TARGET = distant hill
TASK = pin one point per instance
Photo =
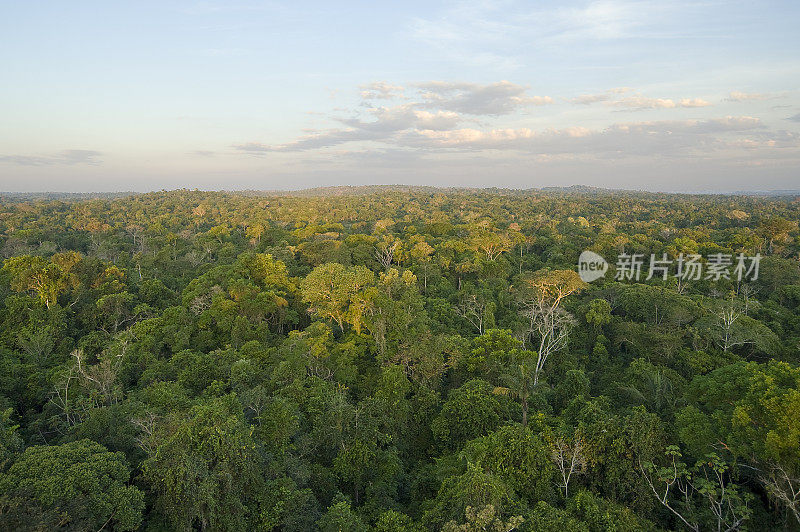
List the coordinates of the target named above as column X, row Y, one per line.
column 766, row 193
column 63, row 196
column 366, row 190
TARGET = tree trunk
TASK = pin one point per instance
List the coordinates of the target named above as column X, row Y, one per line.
column 524, row 411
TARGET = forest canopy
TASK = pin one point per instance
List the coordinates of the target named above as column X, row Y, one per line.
column 395, row 359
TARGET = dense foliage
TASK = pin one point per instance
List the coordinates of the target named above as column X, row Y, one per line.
column 395, row 359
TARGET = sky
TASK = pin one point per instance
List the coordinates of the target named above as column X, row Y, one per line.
column 688, row 96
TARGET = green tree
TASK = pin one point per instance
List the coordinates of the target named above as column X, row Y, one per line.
column 518, row 457
column 484, row 520
column 48, row 279
column 74, row 486
column 205, row 470
column 336, row 292
column 470, row 411
column 341, row 518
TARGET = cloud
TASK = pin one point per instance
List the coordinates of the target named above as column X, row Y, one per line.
column 795, row 118
column 728, row 123
column 313, row 141
column 433, row 106
column 386, row 122
column 642, row 102
column 66, row 157
column 252, row 147
column 737, row 96
column 494, row 99
column 658, row 138
column 492, row 139
column 381, row 90
column 588, row 99
column 638, row 102
column 635, row 101
column 399, row 128
column 458, row 121
column 776, row 139
column 693, row 102
column 388, row 119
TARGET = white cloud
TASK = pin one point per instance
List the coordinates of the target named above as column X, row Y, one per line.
column 381, row 90
column 387, row 121
column 455, row 119
column 737, row 96
column 400, row 117
column 659, row 138
column 693, row 102
column 588, row 99
column 434, row 106
column 636, row 101
column 66, row 157
column 642, row 102
column 313, row 141
column 493, row 99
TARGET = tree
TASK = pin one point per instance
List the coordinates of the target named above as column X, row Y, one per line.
column 205, row 470
column 470, row 411
column 385, row 252
column 489, row 243
column 491, row 353
column 701, row 497
column 473, row 309
column 47, row 279
column 776, row 229
column 484, row 519
column 729, row 329
column 395, row 307
column 99, row 380
column 598, row 313
column 394, row 521
column 421, row 252
column 74, row 486
column 115, row 310
column 751, row 411
column 336, row 292
column 569, row 458
column 727, row 318
column 549, row 324
column 254, row 232
column 341, row 518
column 474, row 488
column 518, row 373
column 518, row 457
column 10, row 442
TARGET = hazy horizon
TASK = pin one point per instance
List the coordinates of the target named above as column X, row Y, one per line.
column 694, row 97
column 578, row 187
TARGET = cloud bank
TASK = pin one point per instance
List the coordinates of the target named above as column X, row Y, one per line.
column 66, row 157
column 445, row 118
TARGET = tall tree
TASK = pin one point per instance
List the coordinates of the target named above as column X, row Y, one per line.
column 542, row 295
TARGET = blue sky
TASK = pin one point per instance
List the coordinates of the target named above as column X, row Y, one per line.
column 673, row 96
